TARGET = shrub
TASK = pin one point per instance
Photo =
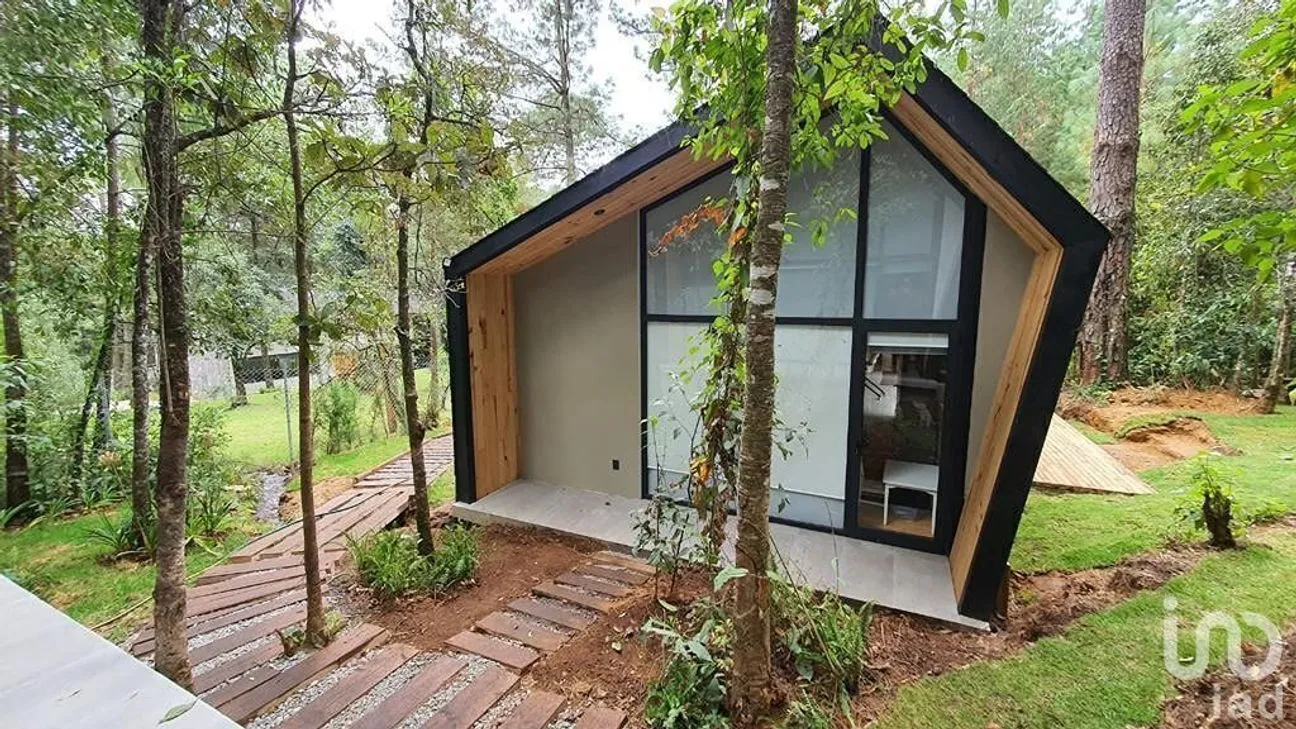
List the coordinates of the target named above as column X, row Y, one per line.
column 1210, row 503
column 690, row 692
column 121, row 538
column 211, row 506
column 389, row 562
column 805, row 712
column 336, row 416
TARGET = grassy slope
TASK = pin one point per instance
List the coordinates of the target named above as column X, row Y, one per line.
column 56, row 561
column 1107, row 671
column 1075, row 531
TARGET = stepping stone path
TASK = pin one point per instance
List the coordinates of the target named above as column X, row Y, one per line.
column 237, row 611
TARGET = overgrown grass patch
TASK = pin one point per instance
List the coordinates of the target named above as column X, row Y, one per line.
column 55, row 560
column 1092, row 433
column 1108, row 670
column 1078, row 531
column 389, row 562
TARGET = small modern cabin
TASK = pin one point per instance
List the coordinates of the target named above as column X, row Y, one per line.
column 920, row 349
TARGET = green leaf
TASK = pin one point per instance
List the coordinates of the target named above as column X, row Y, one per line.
column 962, row 59
column 1002, row 7
column 727, row 574
column 175, row 712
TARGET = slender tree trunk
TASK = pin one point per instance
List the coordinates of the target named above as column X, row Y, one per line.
column 17, row 487
column 752, row 691
column 159, row 31
column 316, row 633
column 413, row 427
column 1275, row 386
column 141, row 500
column 93, row 394
column 433, row 414
column 1111, row 194
column 240, row 390
column 562, row 33
column 112, row 230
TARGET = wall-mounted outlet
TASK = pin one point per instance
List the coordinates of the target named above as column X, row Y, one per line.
column 616, row 464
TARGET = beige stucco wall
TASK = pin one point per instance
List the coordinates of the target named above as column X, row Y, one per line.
column 577, row 324
column 1004, row 276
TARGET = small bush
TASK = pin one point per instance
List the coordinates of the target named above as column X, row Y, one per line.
column 336, row 416
column 1210, row 504
column 807, row 713
column 389, row 562
column 121, row 539
column 826, row 639
column 690, row 692
column 211, row 507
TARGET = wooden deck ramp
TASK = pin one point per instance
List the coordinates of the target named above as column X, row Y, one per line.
column 1072, row 462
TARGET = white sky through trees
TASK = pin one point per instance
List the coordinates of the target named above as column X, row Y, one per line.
column 642, row 104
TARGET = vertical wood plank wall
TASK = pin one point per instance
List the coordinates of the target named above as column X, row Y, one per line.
column 493, row 373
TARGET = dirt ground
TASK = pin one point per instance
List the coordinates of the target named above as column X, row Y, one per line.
column 513, row 560
column 1221, row 700
column 1161, row 442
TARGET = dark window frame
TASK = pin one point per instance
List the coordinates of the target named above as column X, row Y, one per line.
column 961, row 331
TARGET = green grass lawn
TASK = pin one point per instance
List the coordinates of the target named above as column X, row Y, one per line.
column 1076, row 531
column 258, row 431
column 56, row 560
column 1107, row 671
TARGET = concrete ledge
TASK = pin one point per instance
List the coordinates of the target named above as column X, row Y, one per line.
column 891, row 577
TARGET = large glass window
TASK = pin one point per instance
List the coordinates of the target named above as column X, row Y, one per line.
column 814, row 280
column 682, row 239
column 915, row 236
column 808, row 475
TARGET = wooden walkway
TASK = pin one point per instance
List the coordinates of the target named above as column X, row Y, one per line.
column 1072, row 462
column 237, row 611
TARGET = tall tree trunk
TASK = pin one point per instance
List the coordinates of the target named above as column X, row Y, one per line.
column 562, row 33
column 94, row 390
column 752, row 688
column 1103, row 343
column 112, row 231
column 433, row 413
column 1275, row 386
column 316, row 633
column 141, row 501
column 413, row 427
column 160, row 27
column 17, row 487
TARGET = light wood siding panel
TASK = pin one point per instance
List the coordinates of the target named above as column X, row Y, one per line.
column 1021, row 354
column 493, row 371
column 646, row 187
column 1025, row 337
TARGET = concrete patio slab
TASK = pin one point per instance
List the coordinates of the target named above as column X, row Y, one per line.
column 892, row 577
column 56, row 673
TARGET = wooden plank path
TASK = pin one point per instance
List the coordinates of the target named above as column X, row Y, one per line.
column 1072, row 462
column 237, row 612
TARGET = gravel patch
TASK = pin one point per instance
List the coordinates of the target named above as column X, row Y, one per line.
column 537, row 624
column 501, row 709
column 231, row 655
column 232, row 628
column 301, row 698
column 379, row 693
column 476, row 667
